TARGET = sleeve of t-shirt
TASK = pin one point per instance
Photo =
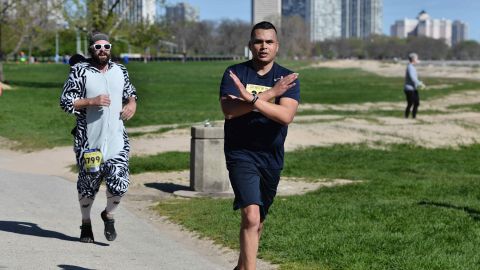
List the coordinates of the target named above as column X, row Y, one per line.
column 227, row 87
column 293, row 92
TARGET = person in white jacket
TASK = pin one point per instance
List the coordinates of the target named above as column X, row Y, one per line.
column 412, row 85
column 99, row 93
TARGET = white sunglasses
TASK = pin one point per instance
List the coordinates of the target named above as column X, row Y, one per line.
column 104, row 46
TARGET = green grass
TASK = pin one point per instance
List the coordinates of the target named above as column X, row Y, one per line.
column 164, row 162
column 340, row 86
column 175, row 93
column 415, row 208
column 469, row 107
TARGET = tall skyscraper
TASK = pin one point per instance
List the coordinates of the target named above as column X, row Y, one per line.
column 294, row 8
column 181, row 12
column 324, row 19
column 331, row 19
column 361, row 18
column 267, row 10
column 135, row 11
column 459, row 32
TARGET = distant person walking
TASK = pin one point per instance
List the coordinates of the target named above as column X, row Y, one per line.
column 99, row 93
column 412, row 85
column 259, row 98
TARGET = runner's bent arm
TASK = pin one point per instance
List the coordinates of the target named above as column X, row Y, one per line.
column 73, row 90
column 282, row 113
column 233, row 106
column 129, row 97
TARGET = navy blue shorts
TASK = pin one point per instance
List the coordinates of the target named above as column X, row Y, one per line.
column 253, row 185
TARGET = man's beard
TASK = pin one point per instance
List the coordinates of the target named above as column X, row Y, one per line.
column 101, row 61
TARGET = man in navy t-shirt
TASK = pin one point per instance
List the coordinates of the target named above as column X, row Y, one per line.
column 259, row 98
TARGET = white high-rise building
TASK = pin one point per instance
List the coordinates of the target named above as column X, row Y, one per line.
column 403, row 28
column 434, row 28
column 423, row 26
column 324, row 19
column 267, row 10
column 459, row 32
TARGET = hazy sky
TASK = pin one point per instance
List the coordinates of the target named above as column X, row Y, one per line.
column 464, row 10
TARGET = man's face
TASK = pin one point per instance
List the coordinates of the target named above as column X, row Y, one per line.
column 99, row 53
column 264, row 45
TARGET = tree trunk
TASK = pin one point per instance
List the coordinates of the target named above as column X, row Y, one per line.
column 145, row 55
column 1, row 72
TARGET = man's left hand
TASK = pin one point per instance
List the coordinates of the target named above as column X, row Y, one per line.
column 129, row 110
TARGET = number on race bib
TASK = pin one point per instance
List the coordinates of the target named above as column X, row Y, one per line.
column 93, row 160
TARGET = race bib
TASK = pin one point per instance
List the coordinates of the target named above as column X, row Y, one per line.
column 257, row 89
column 93, row 159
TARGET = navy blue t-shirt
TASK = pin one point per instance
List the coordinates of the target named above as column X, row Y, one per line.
column 253, row 137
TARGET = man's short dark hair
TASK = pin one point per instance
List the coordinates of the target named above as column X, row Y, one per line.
column 262, row 25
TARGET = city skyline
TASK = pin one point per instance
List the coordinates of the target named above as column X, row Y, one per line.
column 394, row 10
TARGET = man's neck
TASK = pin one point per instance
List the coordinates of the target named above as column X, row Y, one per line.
column 102, row 68
column 261, row 67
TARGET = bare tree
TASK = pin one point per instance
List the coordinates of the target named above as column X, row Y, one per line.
column 199, row 37
column 231, row 37
column 294, row 39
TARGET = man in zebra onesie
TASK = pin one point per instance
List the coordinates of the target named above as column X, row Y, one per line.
column 99, row 93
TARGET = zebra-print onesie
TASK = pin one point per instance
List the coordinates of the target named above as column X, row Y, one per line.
column 100, row 127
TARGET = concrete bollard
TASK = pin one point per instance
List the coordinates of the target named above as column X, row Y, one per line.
column 208, row 171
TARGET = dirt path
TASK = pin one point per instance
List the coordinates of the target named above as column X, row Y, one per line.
column 391, row 69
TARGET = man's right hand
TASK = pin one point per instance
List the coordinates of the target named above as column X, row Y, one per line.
column 284, row 84
column 101, row 100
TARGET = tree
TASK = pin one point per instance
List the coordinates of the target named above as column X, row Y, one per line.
column 25, row 22
column 5, row 6
column 232, row 37
column 428, row 48
column 466, row 50
column 145, row 35
column 199, row 37
column 293, row 37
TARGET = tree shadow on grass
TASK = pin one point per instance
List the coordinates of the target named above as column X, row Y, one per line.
column 167, row 187
column 473, row 213
column 28, row 228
